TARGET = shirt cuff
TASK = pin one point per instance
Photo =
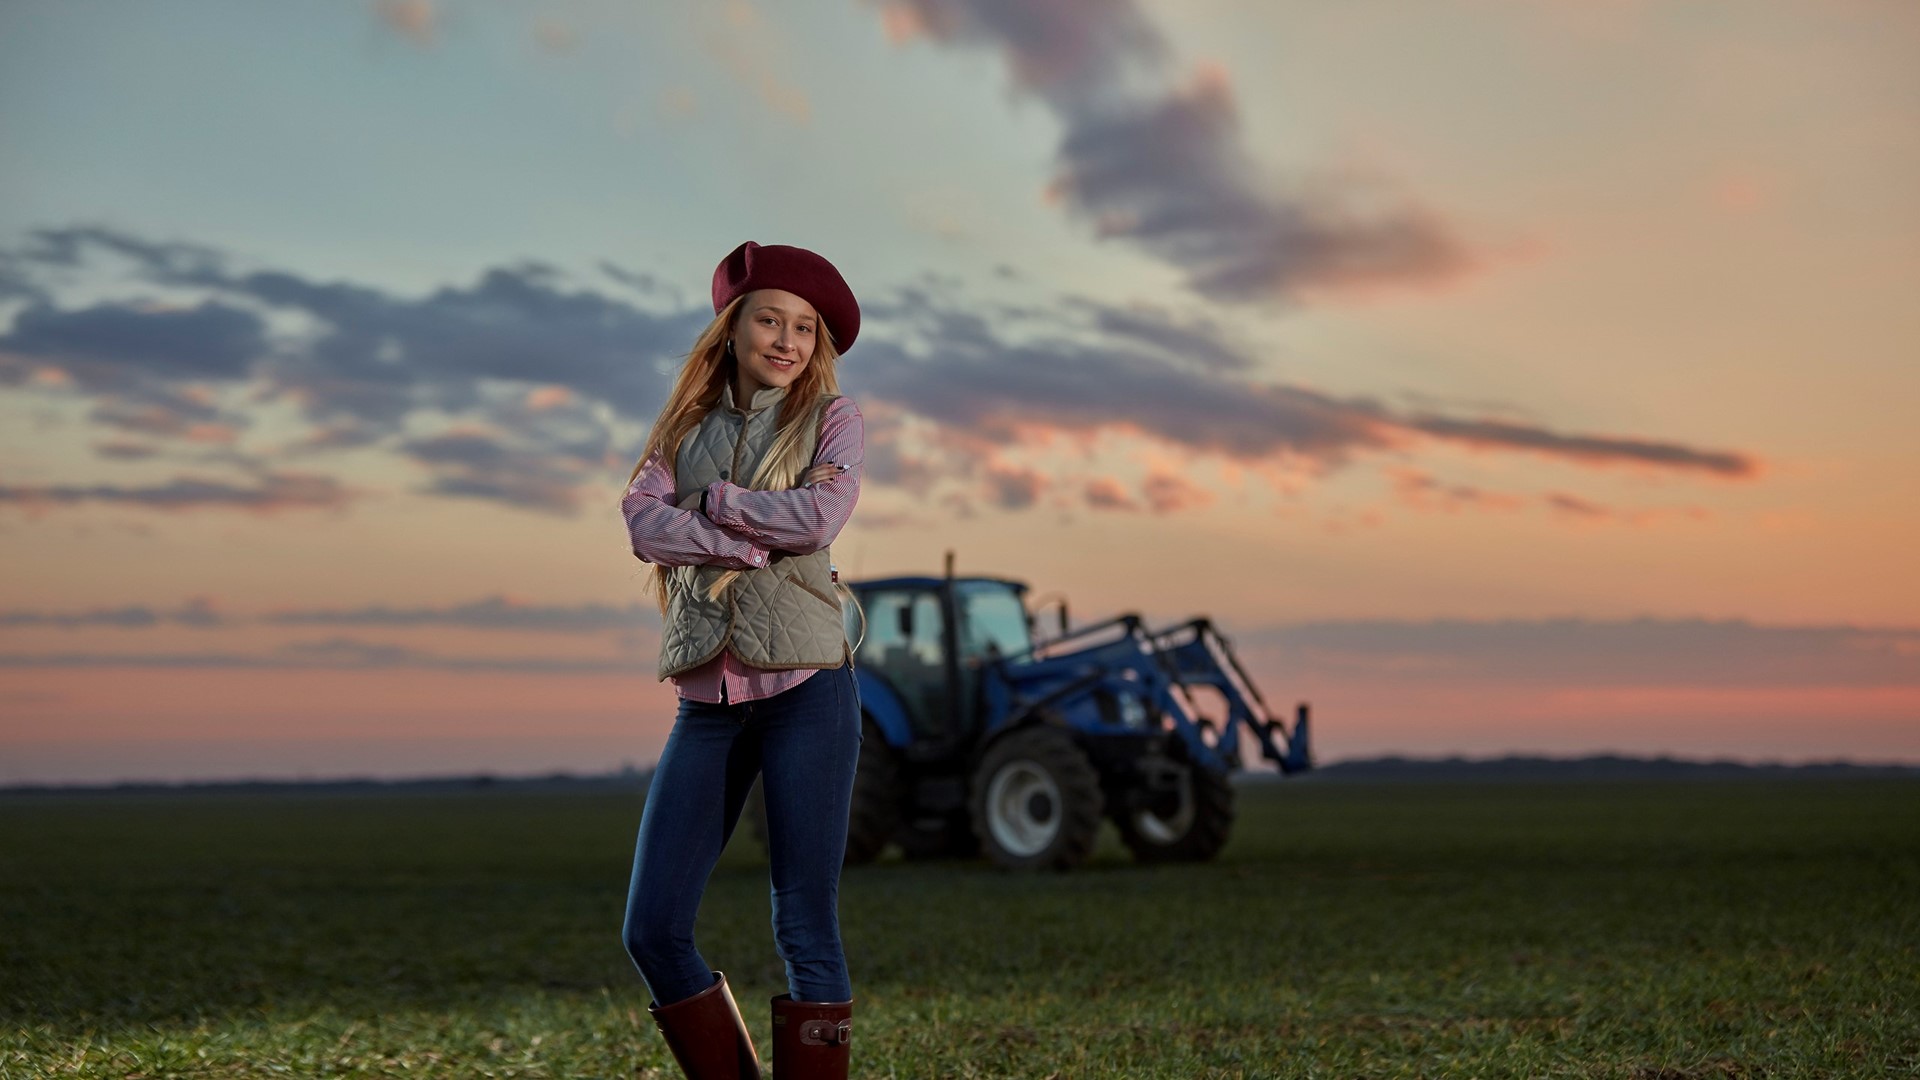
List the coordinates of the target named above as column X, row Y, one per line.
column 725, row 514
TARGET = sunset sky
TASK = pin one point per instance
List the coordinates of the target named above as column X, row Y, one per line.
column 1503, row 376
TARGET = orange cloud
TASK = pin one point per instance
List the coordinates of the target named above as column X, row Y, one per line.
column 414, row 20
column 1167, row 493
column 1419, row 490
column 735, row 46
column 555, row 36
column 543, row 398
column 1106, row 493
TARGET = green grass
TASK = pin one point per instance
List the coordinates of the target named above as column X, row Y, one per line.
column 1601, row 929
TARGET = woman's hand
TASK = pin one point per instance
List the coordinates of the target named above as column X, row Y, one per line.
column 825, row 471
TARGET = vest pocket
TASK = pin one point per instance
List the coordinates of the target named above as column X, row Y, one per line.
column 793, row 578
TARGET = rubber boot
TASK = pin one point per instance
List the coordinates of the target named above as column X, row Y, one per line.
column 707, row 1035
column 810, row 1039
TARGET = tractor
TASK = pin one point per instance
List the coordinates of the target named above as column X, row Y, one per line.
column 978, row 737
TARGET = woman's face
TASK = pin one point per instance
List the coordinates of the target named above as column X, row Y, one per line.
column 773, row 339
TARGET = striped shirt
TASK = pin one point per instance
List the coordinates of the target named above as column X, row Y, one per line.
column 738, row 531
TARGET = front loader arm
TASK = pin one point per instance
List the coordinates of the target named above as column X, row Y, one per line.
column 1196, row 653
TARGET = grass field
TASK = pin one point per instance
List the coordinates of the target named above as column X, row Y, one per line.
column 1651, row 930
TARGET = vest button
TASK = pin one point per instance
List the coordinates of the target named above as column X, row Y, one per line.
column 723, row 474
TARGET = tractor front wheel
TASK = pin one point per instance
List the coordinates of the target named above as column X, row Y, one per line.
column 1194, row 830
column 1036, row 801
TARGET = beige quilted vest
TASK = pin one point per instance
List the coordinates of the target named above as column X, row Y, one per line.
column 784, row 615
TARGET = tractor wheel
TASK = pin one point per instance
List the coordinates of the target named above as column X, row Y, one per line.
column 1194, row 832
column 1036, row 801
column 875, row 810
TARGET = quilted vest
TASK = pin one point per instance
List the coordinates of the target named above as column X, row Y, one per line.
column 783, row 615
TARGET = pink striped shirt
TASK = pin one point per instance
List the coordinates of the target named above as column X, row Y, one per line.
column 739, row 530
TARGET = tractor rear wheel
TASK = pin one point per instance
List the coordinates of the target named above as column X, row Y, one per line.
column 1194, row 831
column 875, row 810
column 1036, row 801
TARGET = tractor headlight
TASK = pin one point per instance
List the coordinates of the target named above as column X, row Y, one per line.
column 1133, row 713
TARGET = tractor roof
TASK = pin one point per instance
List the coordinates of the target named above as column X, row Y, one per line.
column 933, row 583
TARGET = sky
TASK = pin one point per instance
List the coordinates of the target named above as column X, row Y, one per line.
column 1503, row 377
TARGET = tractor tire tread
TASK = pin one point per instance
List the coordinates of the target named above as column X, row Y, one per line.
column 1052, row 747
column 1213, row 813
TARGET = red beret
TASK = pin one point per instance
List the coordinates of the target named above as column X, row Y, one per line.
column 799, row 271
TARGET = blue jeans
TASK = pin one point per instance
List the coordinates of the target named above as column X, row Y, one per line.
column 804, row 742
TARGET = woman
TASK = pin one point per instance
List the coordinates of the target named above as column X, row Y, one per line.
column 748, row 474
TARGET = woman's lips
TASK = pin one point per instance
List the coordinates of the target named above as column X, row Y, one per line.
column 779, row 363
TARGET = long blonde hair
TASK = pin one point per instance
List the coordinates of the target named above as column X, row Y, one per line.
column 697, row 391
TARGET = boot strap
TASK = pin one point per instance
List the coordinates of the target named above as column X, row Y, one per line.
column 826, row 1033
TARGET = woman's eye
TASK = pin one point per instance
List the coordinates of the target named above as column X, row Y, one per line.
column 806, row 329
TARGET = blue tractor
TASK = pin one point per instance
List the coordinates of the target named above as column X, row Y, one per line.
column 980, row 738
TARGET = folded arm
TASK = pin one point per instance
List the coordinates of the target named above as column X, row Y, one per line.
column 669, row 535
column 801, row 520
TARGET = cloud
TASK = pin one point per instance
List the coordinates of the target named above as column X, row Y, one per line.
column 413, row 20
column 1169, row 493
column 472, row 464
column 199, row 613
column 489, row 613
column 1598, row 449
column 1088, row 368
column 375, row 357
column 106, row 344
column 1545, row 654
column 1419, row 490
column 1160, row 163
column 1585, row 652
column 1199, row 342
column 123, row 450
column 337, row 654
column 513, row 388
column 1578, row 509
column 520, row 352
column 555, row 36
column 272, row 493
column 1107, row 493
column 151, row 368
column 740, row 47
column 499, row 613
column 1014, row 487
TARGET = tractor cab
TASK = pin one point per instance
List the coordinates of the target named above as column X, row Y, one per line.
column 926, row 639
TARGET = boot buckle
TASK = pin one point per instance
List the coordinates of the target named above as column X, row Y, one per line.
column 826, row 1033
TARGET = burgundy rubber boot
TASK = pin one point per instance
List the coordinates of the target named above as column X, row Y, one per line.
column 810, row 1039
column 707, row 1035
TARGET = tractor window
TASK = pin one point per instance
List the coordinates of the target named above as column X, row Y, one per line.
column 992, row 620
column 912, row 658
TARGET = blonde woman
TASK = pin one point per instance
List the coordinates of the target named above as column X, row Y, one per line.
column 748, row 475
